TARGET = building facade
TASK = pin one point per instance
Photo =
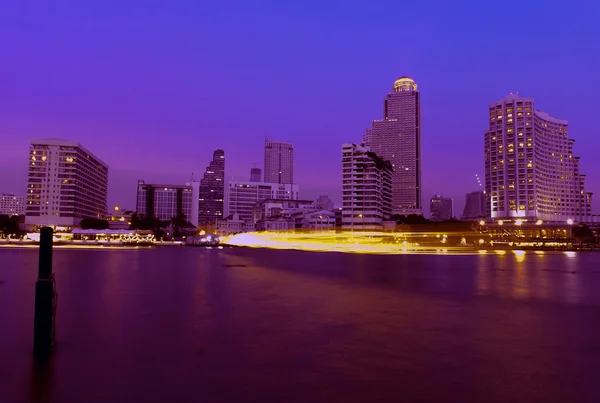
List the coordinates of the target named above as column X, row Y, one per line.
column 242, row 196
column 164, row 202
column 323, row 202
column 441, row 208
column 474, row 206
column 279, row 162
column 255, row 175
column 66, row 184
column 366, row 188
column 530, row 170
column 397, row 138
column 212, row 189
column 11, row 205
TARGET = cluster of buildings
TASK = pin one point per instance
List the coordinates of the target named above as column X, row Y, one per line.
column 531, row 176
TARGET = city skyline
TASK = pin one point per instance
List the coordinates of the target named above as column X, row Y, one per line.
column 156, row 112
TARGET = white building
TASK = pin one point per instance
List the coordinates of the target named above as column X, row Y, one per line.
column 279, row 162
column 230, row 225
column 397, row 138
column 66, row 184
column 280, row 207
column 277, row 223
column 366, row 188
column 12, row 205
column 164, row 202
column 319, row 220
column 530, row 170
column 242, row 196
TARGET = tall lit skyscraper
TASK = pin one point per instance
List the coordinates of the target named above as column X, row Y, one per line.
column 441, row 208
column 279, row 162
column 212, row 188
column 66, row 184
column 397, row 138
column 530, row 169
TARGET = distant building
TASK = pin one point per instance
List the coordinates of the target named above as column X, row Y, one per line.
column 66, row 184
column 440, row 208
column 366, row 188
column 474, row 206
column 255, row 175
column 230, row 225
column 12, row 205
column 276, row 223
column 279, row 162
column 319, row 220
column 280, row 207
column 324, row 202
column 397, row 138
column 530, row 170
column 242, row 196
column 119, row 219
column 212, row 188
column 164, row 202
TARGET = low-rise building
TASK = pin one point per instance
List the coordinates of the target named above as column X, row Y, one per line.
column 277, row 223
column 319, row 220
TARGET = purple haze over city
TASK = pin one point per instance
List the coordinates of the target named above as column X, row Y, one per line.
column 153, row 87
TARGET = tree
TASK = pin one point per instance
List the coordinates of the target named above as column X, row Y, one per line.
column 93, row 223
column 10, row 225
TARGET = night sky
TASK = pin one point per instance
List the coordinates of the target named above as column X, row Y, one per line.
column 152, row 87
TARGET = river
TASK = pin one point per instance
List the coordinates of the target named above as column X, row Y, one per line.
column 258, row 325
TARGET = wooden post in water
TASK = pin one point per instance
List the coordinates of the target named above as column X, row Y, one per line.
column 43, row 322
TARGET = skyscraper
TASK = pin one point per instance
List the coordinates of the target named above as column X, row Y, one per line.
column 164, row 202
column 441, row 208
column 255, row 175
column 366, row 188
column 397, row 138
column 279, row 162
column 242, row 196
column 474, row 206
column 66, row 184
column 212, row 187
column 530, row 169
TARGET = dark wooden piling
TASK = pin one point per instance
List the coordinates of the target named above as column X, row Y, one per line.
column 43, row 324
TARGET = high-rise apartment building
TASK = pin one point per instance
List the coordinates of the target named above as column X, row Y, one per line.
column 441, row 208
column 242, row 196
column 366, row 188
column 212, row 187
column 66, row 184
column 164, row 202
column 11, row 205
column 397, row 138
column 530, row 170
column 474, row 206
column 255, row 175
column 279, row 162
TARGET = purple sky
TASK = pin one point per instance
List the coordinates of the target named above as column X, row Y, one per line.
column 152, row 87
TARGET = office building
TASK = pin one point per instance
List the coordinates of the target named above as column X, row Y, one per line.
column 474, row 206
column 241, row 196
column 397, row 138
column 530, row 170
column 440, row 208
column 255, row 175
column 366, row 188
column 323, row 202
column 11, row 205
column 164, row 202
column 212, row 188
column 279, row 162
column 66, row 184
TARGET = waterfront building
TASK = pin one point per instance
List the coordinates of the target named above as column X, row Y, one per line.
column 441, row 208
column 366, row 188
column 164, row 202
column 474, row 206
column 212, row 188
column 280, row 207
column 242, row 196
column 397, row 138
column 119, row 219
column 319, row 220
column 66, row 184
column 530, row 170
column 276, row 223
column 255, row 175
column 232, row 224
column 11, row 205
column 279, row 162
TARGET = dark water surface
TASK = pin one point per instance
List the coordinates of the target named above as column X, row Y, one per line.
column 244, row 325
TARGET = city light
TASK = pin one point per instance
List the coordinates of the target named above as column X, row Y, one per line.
column 481, row 222
column 519, row 222
column 570, row 221
column 539, row 222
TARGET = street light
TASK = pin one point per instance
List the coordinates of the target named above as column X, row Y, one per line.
column 481, row 222
column 570, row 221
column 539, row 222
column 519, row 222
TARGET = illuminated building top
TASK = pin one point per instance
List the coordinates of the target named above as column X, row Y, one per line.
column 404, row 83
